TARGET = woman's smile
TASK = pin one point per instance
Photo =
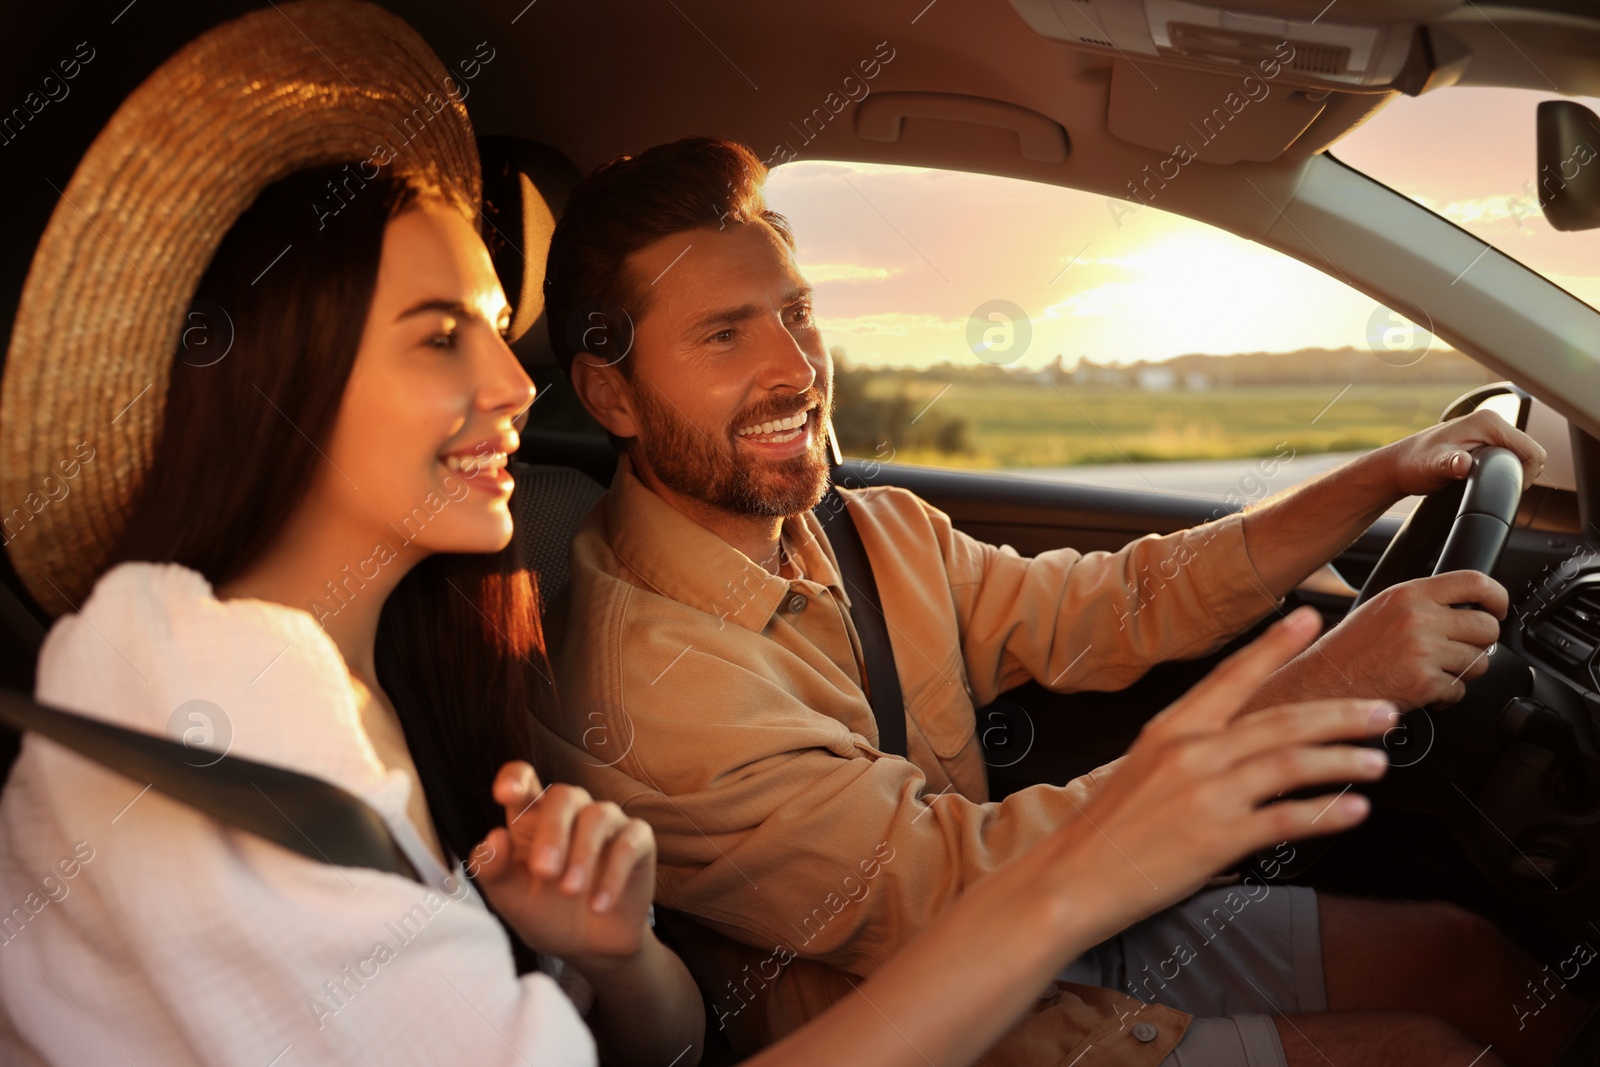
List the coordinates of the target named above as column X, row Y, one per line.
column 483, row 466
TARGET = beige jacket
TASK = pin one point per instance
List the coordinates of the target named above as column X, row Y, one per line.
column 724, row 705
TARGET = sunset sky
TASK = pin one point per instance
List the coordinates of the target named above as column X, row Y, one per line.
column 902, row 257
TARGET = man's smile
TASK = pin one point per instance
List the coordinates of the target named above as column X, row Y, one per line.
column 779, row 431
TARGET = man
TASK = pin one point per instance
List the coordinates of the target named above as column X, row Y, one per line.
column 709, row 655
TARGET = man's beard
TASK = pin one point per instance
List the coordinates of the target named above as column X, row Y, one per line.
column 709, row 467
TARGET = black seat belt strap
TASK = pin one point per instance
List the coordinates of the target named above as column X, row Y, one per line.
column 303, row 814
column 872, row 627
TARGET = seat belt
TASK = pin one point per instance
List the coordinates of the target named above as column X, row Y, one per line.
column 303, row 814
column 872, row 628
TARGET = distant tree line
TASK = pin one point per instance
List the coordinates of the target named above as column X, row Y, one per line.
column 863, row 420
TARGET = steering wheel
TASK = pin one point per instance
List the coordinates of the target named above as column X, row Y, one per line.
column 1463, row 526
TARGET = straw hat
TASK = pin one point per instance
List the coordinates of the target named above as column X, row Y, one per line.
column 250, row 102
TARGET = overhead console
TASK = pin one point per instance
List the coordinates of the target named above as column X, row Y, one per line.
column 1222, row 84
column 1349, row 44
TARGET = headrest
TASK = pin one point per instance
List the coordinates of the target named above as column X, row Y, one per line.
column 525, row 189
column 548, row 506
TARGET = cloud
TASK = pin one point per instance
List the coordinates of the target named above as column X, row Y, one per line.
column 820, row 273
column 1486, row 208
column 889, row 324
column 1112, row 298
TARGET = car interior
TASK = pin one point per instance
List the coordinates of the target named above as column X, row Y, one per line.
column 1493, row 804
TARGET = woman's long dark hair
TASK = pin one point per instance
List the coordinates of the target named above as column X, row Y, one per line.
column 253, row 395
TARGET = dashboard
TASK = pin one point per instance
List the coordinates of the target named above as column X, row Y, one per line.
column 1557, row 628
column 1519, row 775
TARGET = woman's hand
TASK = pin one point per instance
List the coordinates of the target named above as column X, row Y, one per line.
column 1191, row 796
column 574, row 877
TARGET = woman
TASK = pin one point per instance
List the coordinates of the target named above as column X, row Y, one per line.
column 298, row 540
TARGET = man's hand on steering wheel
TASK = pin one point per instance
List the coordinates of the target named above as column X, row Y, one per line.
column 1416, row 642
column 1430, row 459
column 1407, row 644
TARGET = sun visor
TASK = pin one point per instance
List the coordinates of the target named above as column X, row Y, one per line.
column 1209, row 117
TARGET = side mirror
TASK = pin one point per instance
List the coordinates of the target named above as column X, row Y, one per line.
column 1569, row 165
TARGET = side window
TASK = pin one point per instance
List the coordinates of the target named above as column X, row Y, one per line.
column 985, row 322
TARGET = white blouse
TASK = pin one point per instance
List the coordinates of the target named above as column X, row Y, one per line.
column 136, row 929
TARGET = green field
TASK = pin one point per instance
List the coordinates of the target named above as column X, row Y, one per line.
column 1028, row 423
column 1313, row 400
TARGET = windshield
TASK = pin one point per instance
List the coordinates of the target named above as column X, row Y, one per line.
column 1468, row 154
column 984, row 322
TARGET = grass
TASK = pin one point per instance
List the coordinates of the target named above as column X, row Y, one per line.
column 1033, row 424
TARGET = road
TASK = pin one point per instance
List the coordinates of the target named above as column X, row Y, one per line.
column 1208, row 478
